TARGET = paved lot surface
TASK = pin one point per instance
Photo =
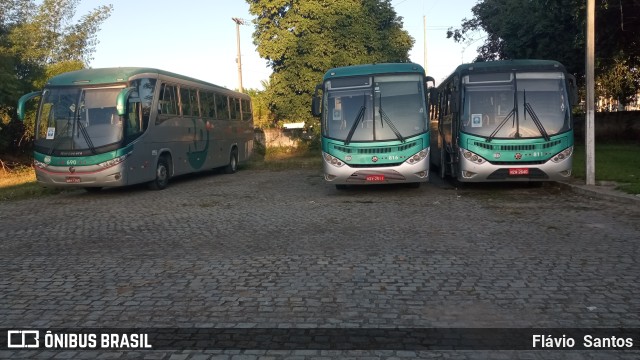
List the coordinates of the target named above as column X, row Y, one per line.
column 262, row 249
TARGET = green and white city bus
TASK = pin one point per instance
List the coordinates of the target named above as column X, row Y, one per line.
column 120, row 126
column 504, row 121
column 374, row 123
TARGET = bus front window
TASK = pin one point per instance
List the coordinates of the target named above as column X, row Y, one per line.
column 389, row 107
column 78, row 119
column 527, row 105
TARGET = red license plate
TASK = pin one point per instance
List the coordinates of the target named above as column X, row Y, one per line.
column 519, row 171
column 72, row 179
column 375, row 177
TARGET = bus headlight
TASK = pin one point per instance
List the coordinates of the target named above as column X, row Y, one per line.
column 417, row 157
column 473, row 157
column 332, row 160
column 563, row 155
column 113, row 162
column 39, row 164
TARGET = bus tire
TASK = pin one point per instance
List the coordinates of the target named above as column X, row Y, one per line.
column 232, row 167
column 162, row 175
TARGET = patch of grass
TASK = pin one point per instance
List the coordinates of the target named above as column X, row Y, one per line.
column 613, row 162
column 20, row 183
column 285, row 158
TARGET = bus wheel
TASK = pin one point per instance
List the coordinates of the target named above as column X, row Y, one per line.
column 233, row 163
column 93, row 189
column 162, row 175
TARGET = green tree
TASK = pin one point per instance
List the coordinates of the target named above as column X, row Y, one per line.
column 302, row 39
column 37, row 41
column 555, row 29
column 619, row 81
column 262, row 117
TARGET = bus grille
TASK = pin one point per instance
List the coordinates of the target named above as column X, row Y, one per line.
column 551, row 144
column 518, row 162
column 517, row 147
column 376, row 150
column 374, row 165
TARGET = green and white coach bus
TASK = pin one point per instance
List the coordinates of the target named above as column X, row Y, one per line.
column 504, row 121
column 374, row 123
column 111, row 127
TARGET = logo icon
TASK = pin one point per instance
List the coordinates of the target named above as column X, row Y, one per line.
column 23, row 339
column 72, row 169
column 374, row 159
column 518, row 156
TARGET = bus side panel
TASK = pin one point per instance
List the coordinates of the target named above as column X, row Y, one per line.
column 140, row 166
column 173, row 133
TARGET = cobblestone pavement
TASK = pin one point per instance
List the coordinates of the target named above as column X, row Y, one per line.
column 284, row 249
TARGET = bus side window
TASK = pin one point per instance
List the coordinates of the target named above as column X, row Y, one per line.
column 222, row 107
column 169, row 100
column 133, row 126
column 207, row 105
column 234, row 107
column 247, row 115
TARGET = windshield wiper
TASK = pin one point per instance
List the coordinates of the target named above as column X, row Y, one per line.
column 513, row 112
column 391, row 126
column 529, row 109
column 504, row 121
column 383, row 116
column 56, row 142
column 85, row 135
column 355, row 124
column 83, row 130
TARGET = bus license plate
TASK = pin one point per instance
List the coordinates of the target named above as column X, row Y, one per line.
column 519, row 171
column 375, row 178
column 72, row 179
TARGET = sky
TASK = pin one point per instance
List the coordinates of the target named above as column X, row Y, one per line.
column 197, row 38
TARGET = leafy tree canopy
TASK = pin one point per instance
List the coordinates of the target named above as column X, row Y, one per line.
column 38, row 39
column 555, row 29
column 302, row 39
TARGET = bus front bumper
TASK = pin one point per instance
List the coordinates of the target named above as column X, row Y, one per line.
column 90, row 176
column 470, row 171
column 403, row 173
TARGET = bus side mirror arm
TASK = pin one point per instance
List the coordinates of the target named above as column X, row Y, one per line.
column 22, row 102
column 315, row 102
column 121, row 100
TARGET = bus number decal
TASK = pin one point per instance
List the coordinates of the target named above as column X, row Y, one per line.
column 394, row 157
column 71, row 162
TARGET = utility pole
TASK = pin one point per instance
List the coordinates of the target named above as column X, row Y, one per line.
column 590, row 172
column 424, row 21
column 239, row 22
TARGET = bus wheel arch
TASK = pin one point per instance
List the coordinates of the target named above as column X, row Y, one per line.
column 163, row 172
column 232, row 167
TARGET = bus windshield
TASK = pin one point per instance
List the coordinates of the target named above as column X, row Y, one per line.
column 515, row 105
column 379, row 108
column 74, row 118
